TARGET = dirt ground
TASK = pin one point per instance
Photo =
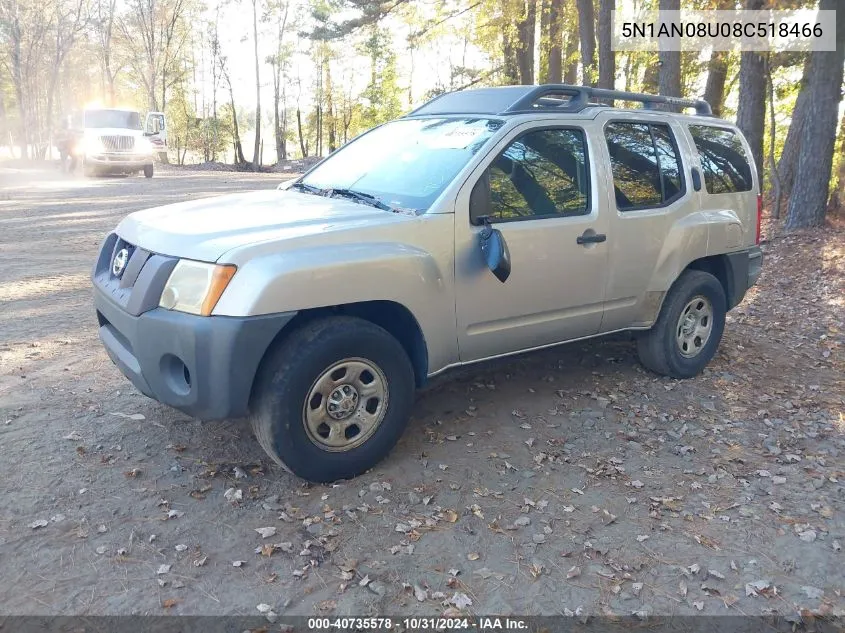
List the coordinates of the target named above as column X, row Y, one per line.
column 567, row 481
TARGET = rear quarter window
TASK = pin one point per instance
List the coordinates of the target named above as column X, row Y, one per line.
column 723, row 159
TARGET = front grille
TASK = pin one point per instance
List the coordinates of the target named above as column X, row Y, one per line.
column 118, row 143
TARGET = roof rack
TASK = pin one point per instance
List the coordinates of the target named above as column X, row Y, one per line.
column 552, row 97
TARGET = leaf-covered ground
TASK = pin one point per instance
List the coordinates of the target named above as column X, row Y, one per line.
column 568, row 481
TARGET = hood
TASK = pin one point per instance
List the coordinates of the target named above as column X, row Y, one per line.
column 206, row 229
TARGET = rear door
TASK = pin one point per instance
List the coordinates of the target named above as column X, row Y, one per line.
column 648, row 181
column 544, row 198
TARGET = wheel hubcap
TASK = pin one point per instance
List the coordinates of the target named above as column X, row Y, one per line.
column 694, row 326
column 345, row 405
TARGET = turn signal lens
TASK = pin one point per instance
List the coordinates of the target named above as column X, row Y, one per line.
column 220, row 278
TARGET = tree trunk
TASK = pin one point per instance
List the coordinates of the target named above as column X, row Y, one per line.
column 607, row 58
column 570, row 73
column 788, row 162
column 554, row 71
column 587, row 31
column 303, row 146
column 525, row 52
column 808, row 202
column 717, row 74
column 236, row 135
column 651, row 76
column 669, row 74
column 256, row 150
column 837, row 198
column 751, row 112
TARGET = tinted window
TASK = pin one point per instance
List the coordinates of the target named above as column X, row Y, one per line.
column 723, row 159
column 645, row 164
column 542, row 173
column 667, row 156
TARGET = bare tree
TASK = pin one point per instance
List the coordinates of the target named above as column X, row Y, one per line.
column 104, row 27
column 155, row 32
column 256, row 151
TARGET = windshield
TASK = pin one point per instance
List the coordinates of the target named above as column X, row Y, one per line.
column 407, row 163
column 125, row 119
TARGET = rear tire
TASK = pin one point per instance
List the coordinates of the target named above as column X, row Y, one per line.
column 688, row 330
column 333, row 399
column 148, row 171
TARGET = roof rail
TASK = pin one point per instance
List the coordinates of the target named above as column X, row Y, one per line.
column 579, row 98
column 556, row 97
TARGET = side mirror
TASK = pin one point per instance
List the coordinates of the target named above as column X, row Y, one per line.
column 480, row 200
column 494, row 249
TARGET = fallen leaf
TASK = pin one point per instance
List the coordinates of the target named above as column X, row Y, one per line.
column 170, row 603
column 266, row 532
column 420, row 594
column 238, row 563
column 450, row 515
column 364, row 581
column 473, row 556
column 163, row 569
column 233, row 495
column 131, row 416
column 460, row 600
column 39, row 523
column 573, row 572
column 201, row 561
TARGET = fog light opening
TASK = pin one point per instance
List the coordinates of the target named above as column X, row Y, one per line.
column 176, row 374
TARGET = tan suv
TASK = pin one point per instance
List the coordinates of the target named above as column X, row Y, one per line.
column 486, row 223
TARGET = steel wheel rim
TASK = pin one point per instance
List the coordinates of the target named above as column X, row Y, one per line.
column 695, row 326
column 346, row 404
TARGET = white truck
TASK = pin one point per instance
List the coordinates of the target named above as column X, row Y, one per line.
column 112, row 141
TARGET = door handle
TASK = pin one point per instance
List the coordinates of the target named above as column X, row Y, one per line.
column 591, row 238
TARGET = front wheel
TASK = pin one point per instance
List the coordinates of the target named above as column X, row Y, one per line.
column 689, row 328
column 148, row 171
column 333, row 399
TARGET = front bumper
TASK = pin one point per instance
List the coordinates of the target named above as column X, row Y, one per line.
column 203, row 366
column 119, row 161
column 744, row 269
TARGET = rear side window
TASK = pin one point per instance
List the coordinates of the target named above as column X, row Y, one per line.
column 723, row 159
column 645, row 163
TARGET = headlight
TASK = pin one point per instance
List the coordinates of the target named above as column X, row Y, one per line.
column 93, row 145
column 143, row 145
column 195, row 287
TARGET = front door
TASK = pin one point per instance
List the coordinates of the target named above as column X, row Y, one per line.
column 545, row 201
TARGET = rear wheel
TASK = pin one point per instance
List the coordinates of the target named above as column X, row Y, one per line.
column 333, row 399
column 148, row 171
column 690, row 326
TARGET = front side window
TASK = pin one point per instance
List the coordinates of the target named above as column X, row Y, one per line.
column 723, row 160
column 645, row 164
column 405, row 164
column 541, row 174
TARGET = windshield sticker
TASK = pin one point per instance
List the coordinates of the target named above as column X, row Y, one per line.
column 459, row 138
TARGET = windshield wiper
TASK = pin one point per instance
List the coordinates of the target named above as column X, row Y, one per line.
column 307, row 188
column 360, row 196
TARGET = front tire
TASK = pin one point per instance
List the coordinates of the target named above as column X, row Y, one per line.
column 689, row 328
column 148, row 171
column 333, row 399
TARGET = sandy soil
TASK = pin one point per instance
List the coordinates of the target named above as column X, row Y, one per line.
column 570, row 480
